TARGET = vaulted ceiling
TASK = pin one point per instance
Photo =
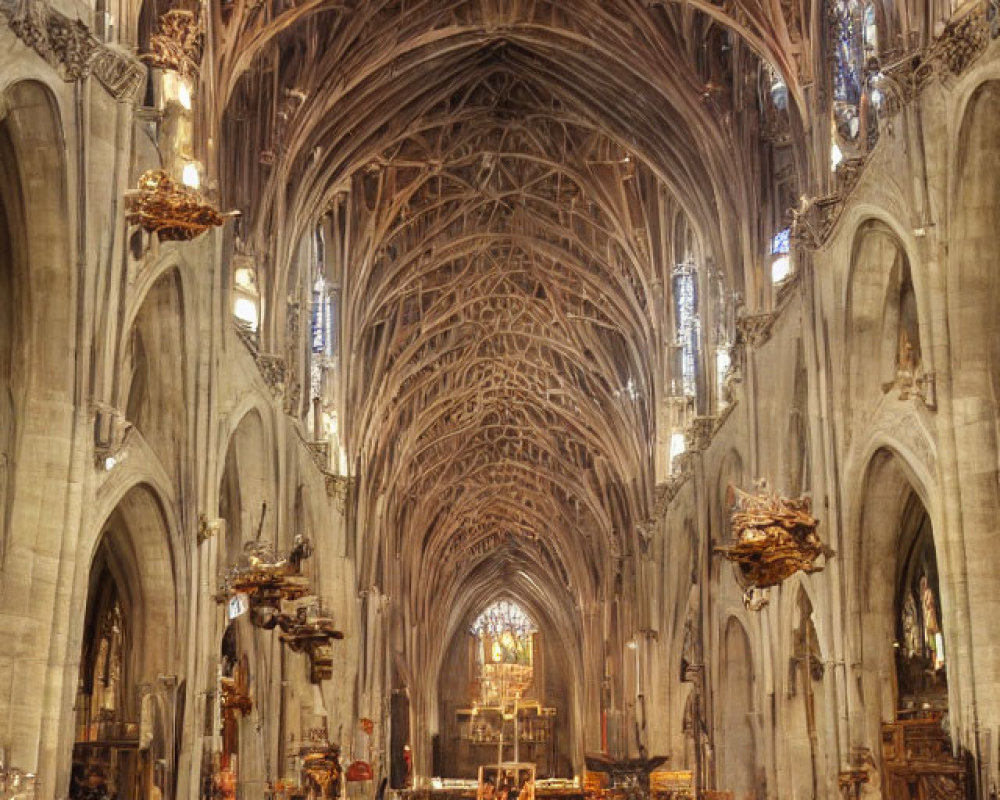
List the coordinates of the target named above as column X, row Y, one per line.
column 506, row 178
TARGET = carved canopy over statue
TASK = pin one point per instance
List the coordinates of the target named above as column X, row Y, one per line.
column 775, row 537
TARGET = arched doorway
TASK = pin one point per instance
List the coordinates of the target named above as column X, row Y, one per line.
column 128, row 704
column 921, row 659
column 904, row 638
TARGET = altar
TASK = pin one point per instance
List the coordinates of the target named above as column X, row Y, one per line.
column 454, row 789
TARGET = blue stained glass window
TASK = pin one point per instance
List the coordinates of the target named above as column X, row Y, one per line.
column 320, row 318
column 781, row 243
column 846, row 19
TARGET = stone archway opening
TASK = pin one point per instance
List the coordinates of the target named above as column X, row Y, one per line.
column 736, row 738
column 904, row 638
column 128, row 704
column 504, row 694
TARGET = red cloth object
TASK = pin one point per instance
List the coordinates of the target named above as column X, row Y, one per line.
column 360, row 771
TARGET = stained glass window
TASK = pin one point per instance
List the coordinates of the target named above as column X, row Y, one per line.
column 781, row 243
column 854, row 46
column 320, row 314
column 781, row 260
column 921, row 666
column 846, row 42
column 503, row 616
column 685, row 286
column 505, row 651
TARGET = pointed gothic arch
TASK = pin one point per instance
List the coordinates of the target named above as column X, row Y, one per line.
column 246, row 486
column 129, row 645
column 883, row 316
column 735, row 736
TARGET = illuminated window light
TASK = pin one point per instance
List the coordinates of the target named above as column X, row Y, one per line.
column 781, row 268
column 245, row 310
column 184, row 95
column 110, row 462
column 190, row 176
column 504, row 616
column 176, row 89
column 677, row 444
column 722, row 363
column 836, row 156
column 779, row 94
column 244, row 278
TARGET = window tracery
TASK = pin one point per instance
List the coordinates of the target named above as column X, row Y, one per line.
column 847, row 49
column 322, row 317
column 685, row 361
column 504, row 652
column 504, row 616
column 321, row 322
column 323, row 335
column 688, row 325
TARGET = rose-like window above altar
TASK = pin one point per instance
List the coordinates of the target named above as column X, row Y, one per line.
column 504, row 653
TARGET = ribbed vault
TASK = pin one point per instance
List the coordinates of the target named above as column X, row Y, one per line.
column 503, row 315
column 504, row 178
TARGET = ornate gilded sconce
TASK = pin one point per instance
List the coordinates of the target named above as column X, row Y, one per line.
column 178, row 43
column 262, row 581
column 775, row 537
column 171, row 211
column 265, row 579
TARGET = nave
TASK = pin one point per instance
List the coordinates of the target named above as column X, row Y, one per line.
column 499, row 399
